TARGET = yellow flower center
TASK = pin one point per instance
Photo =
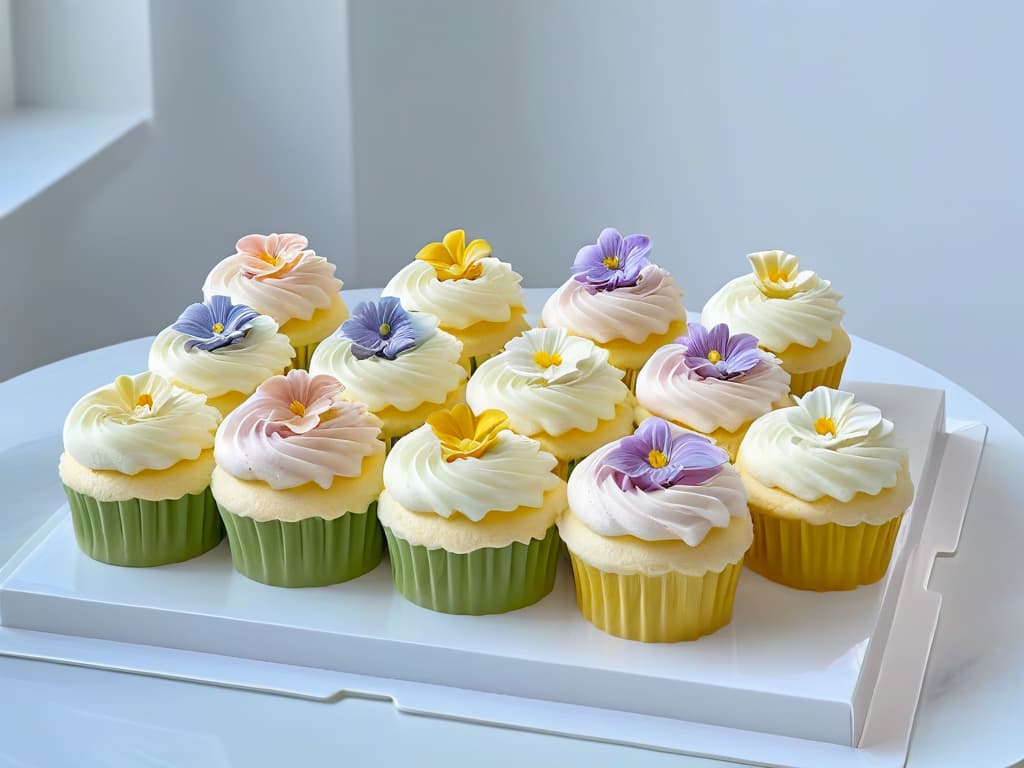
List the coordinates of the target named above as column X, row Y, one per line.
column 547, row 359
column 776, row 276
column 145, row 399
column 218, row 327
column 271, row 260
column 297, row 408
column 657, row 459
column 825, row 426
column 384, row 329
column 714, row 356
column 611, row 262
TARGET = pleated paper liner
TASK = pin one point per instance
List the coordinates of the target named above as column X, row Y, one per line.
column 145, row 533
column 486, row 580
column 802, row 383
column 820, row 557
column 655, row 609
column 307, row 553
column 303, row 354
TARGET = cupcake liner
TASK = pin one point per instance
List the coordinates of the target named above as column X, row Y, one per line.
column 820, row 557
column 486, row 580
column 307, row 553
column 655, row 609
column 629, row 379
column 145, row 533
column 303, row 354
column 802, row 383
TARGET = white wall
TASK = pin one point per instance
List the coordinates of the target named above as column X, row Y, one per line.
column 6, row 58
column 879, row 141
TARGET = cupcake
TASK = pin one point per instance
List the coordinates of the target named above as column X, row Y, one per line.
column 136, row 468
column 278, row 276
column 559, row 390
column 475, row 297
column 297, row 479
column 794, row 313
column 221, row 350
column 656, row 529
column 469, row 511
column 712, row 383
column 399, row 363
column 828, row 487
column 619, row 300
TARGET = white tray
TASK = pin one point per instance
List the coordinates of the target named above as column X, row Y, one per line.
column 796, row 679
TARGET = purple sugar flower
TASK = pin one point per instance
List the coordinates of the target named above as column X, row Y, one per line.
column 215, row 323
column 714, row 354
column 382, row 328
column 652, row 458
column 613, row 262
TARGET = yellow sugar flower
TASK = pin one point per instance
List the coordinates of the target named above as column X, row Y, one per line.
column 463, row 435
column 778, row 274
column 453, row 259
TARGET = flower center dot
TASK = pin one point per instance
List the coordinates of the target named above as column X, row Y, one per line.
column 218, row 327
column 825, row 426
column 144, row 400
column 611, row 262
column 297, row 408
column 271, row 260
column 657, row 459
column 547, row 359
column 714, row 356
column 384, row 329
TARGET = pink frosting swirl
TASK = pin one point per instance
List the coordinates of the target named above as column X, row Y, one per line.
column 631, row 312
column 276, row 275
column 297, row 429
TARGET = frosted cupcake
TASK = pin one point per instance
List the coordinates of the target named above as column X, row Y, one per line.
column 221, row 350
column 828, row 487
column 559, row 390
column 475, row 297
column 278, row 276
column 712, row 383
column 297, row 479
column 656, row 529
column 469, row 511
column 399, row 363
column 794, row 313
column 136, row 469
column 619, row 300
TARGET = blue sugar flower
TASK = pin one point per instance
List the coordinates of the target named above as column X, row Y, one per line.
column 215, row 323
column 380, row 328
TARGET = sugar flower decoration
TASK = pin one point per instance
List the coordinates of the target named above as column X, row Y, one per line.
column 266, row 256
column 778, row 274
column 830, row 418
column 714, row 354
column 215, row 323
column 548, row 356
column 612, row 262
column 464, row 435
column 298, row 402
column 380, row 329
column 452, row 259
column 653, row 457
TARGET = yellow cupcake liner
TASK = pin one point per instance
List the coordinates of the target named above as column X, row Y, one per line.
column 802, row 383
column 822, row 558
column 655, row 609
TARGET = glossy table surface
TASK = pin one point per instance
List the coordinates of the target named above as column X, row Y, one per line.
column 969, row 713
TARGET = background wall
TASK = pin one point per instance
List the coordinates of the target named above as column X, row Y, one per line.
column 878, row 141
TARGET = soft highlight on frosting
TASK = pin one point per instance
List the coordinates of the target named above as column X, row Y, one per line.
column 548, row 381
column 139, row 422
column 513, row 473
column 632, row 312
column 297, row 429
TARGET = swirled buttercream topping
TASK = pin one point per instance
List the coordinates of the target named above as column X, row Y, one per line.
column 139, row 422
column 826, row 445
column 276, row 275
column 297, row 429
column 631, row 312
column 778, row 303
column 549, row 381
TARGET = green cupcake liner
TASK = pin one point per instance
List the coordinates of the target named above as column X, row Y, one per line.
column 302, row 357
column 487, row 580
column 145, row 533
column 307, row 553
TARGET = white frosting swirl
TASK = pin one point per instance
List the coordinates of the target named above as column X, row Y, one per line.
column 631, row 312
column 298, row 293
column 667, row 387
column 784, row 448
column 459, row 304
column 427, row 373
column 576, row 393
column 238, row 367
column 681, row 512
column 139, row 422
column 805, row 318
column 513, row 473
